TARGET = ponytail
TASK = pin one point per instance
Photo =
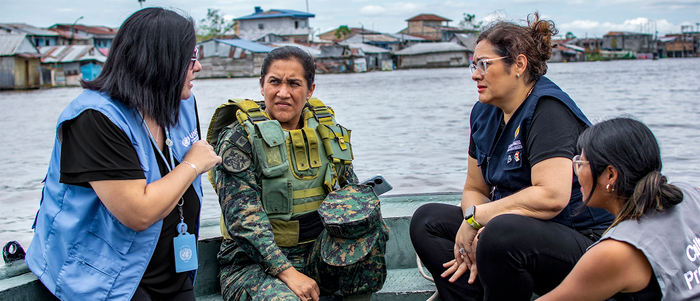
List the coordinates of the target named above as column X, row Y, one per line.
column 652, row 192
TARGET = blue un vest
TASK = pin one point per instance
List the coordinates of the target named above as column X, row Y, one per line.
column 80, row 251
column 504, row 162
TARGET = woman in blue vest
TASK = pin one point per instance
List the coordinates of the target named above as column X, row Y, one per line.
column 652, row 250
column 123, row 186
column 520, row 220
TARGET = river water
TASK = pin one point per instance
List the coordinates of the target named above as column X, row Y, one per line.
column 412, row 126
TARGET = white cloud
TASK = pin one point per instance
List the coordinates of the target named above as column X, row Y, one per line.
column 372, row 10
column 529, row 1
column 576, row 2
column 452, row 4
column 393, row 9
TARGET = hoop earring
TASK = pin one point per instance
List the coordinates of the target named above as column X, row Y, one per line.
column 607, row 188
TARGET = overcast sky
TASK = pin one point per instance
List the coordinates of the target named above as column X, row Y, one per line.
column 584, row 18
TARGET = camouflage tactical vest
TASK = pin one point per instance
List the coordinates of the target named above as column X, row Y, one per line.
column 298, row 168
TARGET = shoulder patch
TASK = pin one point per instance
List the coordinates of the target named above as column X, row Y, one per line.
column 241, row 141
column 235, row 160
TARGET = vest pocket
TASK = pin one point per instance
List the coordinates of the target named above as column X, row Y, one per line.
column 86, row 275
column 270, row 149
column 513, row 160
column 277, row 198
column 286, row 232
column 336, row 142
column 111, row 230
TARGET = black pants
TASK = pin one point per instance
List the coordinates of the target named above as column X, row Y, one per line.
column 515, row 255
column 185, row 293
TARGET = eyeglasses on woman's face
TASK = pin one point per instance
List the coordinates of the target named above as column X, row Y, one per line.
column 194, row 58
column 578, row 163
column 482, row 65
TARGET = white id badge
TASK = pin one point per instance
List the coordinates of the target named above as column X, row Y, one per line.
column 185, row 250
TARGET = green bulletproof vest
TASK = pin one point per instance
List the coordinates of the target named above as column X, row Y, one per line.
column 298, row 168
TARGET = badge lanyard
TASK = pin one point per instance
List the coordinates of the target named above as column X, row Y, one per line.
column 185, row 244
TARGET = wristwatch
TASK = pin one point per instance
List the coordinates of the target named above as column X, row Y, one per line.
column 469, row 217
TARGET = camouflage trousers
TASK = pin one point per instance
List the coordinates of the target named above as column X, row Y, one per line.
column 252, row 283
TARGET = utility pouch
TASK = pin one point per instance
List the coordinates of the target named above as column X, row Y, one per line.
column 277, row 198
column 286, row 232
column 299, row 150
column 270, row 149
column 336, row 142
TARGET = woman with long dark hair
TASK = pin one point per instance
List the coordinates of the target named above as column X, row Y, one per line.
column 651, row 251
column 518, row 221
column 120, row 207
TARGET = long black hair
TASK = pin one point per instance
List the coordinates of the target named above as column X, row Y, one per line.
column 534, row 41
column 148, row 63
column 630, row 147
column 288, row 53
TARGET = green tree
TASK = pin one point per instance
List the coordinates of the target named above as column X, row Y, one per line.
column 469, row 22
column 215, row 26
column 342, row 31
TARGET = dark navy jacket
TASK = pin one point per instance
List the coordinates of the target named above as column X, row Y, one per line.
column 504, row 162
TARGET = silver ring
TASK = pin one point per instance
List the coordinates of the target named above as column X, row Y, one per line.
column 462, row 251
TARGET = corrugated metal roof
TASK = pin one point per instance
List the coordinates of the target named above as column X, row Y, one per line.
column 71, row 35
column 9, row 43
column 431, row 48
column 405, row 37
column 376, row 38
column 468, row 40
column 31, row 30
column 574, row 47
column 71, row 53
column 311, row 51
column 428, row 17
column 277, row 13
column 247, row 45
column 366, row 48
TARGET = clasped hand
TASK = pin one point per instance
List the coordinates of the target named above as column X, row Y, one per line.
column 465, row 254
column 202, row 155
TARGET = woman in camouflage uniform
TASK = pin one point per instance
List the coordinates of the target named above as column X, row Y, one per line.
column 269, row 251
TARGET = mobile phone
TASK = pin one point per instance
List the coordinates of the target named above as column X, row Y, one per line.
column 379, row 184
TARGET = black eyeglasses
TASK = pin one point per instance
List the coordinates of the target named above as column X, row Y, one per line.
column 578, row 163
column 194, row 58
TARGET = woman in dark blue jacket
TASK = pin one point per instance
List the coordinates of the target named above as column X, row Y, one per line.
column 519, row 220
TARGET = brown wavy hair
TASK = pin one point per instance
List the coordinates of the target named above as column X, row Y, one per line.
column 534, row 41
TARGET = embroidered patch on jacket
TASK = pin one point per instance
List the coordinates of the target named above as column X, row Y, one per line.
column 516, row 145
column 235, row 160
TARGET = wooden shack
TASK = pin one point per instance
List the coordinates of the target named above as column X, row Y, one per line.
column 432, row 55
column 231, row 58
column 20, row 62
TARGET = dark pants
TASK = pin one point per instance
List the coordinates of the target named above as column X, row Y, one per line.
column 515, row 255
column 185, row 293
